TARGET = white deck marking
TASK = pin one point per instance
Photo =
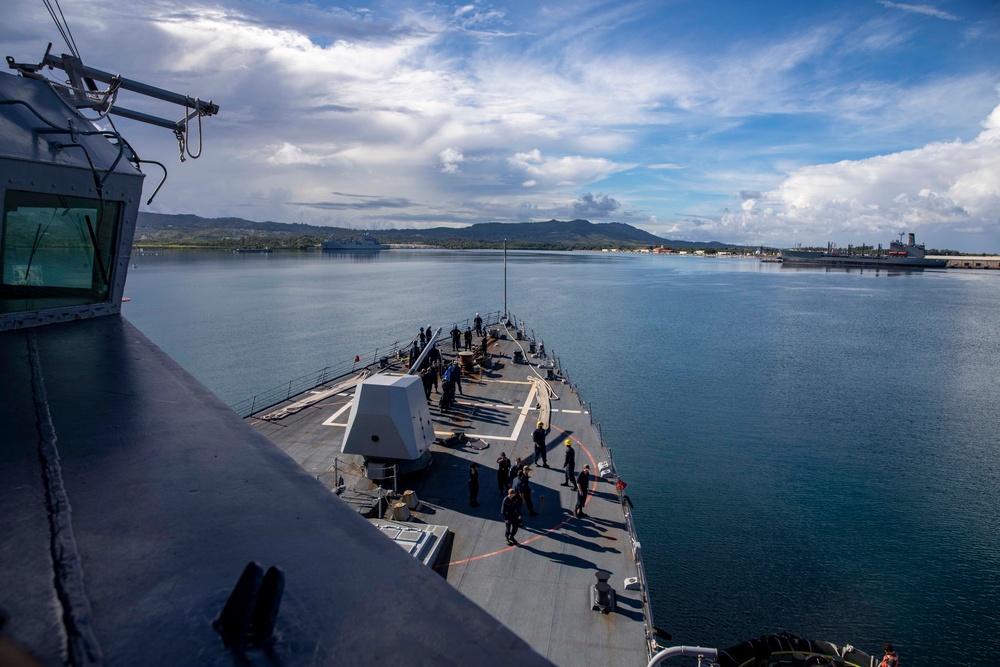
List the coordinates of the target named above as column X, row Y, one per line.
column 330, row 422
column 524, row 410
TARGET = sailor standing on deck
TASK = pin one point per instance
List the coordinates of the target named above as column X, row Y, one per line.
column 515, row 469
column 456, row 334
column 582, row 488
column 510, row 510
column 569, row 463
column 474, row 484
column 454, row 374
column 503, row 472
column 522, row 487
column 538, row 437
column 468, row 338
column 479, row 325
column 427, row 379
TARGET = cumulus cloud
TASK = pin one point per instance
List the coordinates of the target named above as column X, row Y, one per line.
column 944, row 184
column 450, row 159
column 288, row 154
column 440, row 117
column 600, row 206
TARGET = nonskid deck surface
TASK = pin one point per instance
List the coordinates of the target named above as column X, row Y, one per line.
column 540, row 588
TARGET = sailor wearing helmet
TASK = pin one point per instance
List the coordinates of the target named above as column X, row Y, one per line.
column 569, row 463
column 538, row 437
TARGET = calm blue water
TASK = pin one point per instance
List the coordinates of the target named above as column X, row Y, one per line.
column 808, row 451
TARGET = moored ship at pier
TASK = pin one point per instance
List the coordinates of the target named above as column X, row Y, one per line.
column 363, row 243
column 907, row 255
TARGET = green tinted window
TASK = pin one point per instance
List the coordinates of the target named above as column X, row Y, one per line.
column 55, row 251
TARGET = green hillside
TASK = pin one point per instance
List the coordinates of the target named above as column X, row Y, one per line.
column 193, row 231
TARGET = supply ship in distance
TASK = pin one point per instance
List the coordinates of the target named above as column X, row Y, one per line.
column 366, row 243
column 899, row 256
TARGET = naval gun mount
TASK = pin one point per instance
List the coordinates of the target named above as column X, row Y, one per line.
column 390, row 426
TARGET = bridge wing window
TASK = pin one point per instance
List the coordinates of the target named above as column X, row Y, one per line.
column 56, row 251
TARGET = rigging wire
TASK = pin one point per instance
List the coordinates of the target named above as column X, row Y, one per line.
column 62, row 25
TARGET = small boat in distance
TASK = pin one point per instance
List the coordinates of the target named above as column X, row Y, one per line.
column 900, row 255
column 365, row 243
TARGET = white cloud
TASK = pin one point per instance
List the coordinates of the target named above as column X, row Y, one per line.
column 434, row 110
column 926, row 10
column 286, row 154
column 566, row 170
column 450, row 159
column 944, row 184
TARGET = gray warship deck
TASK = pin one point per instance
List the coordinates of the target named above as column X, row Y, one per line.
column 540, row 588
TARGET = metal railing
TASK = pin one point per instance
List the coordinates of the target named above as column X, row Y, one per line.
column 398, row 350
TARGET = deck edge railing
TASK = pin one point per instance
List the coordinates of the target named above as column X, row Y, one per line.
column 269, row 398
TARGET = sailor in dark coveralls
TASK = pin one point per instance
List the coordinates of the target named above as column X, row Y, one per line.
column 582, row 488
column 503, row 472
column 456, row 334
column 510, row 510
column 468, row 338
column 454, row 373
column 479, row 325
column 570, row 465
column 538, row 436
column 447, row 392
column 522, row 487
column 515, row 469
column 427, row 378
column 474, row 484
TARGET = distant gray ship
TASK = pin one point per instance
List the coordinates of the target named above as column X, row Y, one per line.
column 366, row 243
column 900, row 255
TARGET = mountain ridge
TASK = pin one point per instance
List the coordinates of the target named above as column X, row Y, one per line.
column 189, row 229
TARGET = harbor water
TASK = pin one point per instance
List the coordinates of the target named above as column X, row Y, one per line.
column 808, row 450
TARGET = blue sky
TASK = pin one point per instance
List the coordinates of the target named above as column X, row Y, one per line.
column 746, row 122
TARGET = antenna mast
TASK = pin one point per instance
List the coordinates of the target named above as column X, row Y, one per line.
column 505, row 278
